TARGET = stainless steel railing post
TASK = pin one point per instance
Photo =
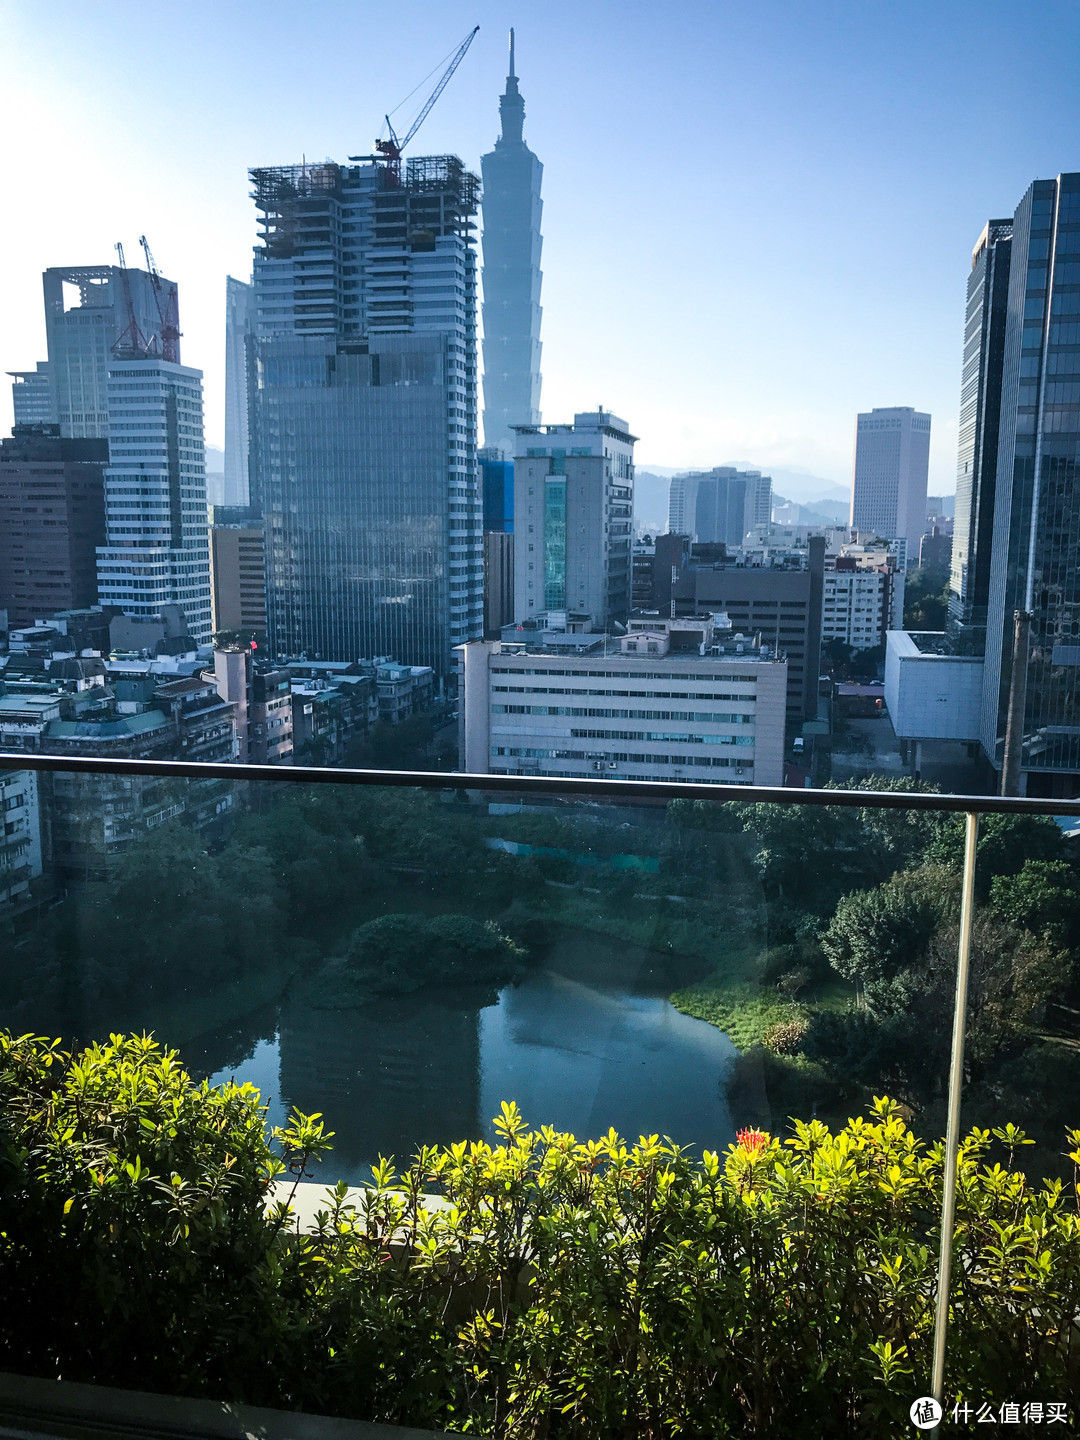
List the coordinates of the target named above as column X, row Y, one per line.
column 952, row 1131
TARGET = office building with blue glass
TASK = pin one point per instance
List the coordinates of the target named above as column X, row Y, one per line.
column 1035, row 545
column 980, row 413
column 363, row 409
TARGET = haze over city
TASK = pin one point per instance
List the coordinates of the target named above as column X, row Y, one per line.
column 756, row 223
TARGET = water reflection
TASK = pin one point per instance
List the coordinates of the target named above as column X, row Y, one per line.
column 434, row 1067
column 586, row 1059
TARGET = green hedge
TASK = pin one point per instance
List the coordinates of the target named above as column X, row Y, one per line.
column 562, row 1288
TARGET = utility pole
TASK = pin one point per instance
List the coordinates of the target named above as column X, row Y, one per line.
column 1014, row 724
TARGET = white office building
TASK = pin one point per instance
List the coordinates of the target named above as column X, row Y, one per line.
column 888, row 489
column 628, row 709
column 156, row 550
column 573, row 516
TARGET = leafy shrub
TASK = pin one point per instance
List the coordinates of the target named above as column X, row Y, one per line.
column 399, row 953
column 786, row 1038
column 594, row 1290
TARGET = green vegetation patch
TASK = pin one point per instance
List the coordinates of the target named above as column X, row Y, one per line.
column 574, row 1290
column 743, row 1011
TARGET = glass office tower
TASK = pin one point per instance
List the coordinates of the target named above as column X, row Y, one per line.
column 1035, row 565
column 363, row 457
column 980, row 414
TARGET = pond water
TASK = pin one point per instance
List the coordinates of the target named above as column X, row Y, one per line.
column 584, row 1042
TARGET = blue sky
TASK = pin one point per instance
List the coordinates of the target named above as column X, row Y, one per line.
column 758, row 218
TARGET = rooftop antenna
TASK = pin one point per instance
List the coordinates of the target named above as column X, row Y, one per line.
column 512, row 75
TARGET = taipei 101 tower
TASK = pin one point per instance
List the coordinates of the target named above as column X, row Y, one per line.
column 511, row 239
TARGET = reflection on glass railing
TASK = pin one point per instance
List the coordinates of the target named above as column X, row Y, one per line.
column 402, row 960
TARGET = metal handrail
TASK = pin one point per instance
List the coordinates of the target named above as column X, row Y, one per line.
column 628, row 791
column 548, row 785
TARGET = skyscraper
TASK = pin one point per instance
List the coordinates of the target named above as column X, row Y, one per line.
column 512, row 242
column 1035, row 560
column 156, row 550
column 980, row 409
column 92, row 312
column 363, row 416
column 239, row 357
column 719, row 506
column 573, row 511
column 888, row 489
column 31, row 396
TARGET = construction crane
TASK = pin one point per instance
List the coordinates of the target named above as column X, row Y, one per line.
column 391, row 148
column 167, row 308
column 130, row 341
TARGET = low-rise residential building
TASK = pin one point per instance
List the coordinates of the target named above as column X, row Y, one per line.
column 205, row 723
column 403, row 690
column 261, row 697
column 632, row 707
column 327, row 717
column 271, row 735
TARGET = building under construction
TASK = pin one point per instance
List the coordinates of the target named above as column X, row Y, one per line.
column 364, row 407
column 95, row 314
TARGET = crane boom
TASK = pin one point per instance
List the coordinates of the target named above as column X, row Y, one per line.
column 130, row 342
column 392, row 147
column 441, row 86
column 165, row 301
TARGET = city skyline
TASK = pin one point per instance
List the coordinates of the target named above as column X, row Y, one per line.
column 860, row 317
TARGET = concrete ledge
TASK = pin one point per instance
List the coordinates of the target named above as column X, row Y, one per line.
column 66, row 1410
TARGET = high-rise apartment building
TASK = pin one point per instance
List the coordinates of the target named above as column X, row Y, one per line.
column 239, row 359
column 92, row 314
column 363, row 417
column 512, row 243
column 573, row 512
column 1035, row 559
column 52, row 518
column 31, row 396
column 888, row 488
column 156, row 551
column 719, row 506
column 980, row 413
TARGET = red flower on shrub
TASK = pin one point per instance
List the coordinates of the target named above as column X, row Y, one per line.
column 752, row 1141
